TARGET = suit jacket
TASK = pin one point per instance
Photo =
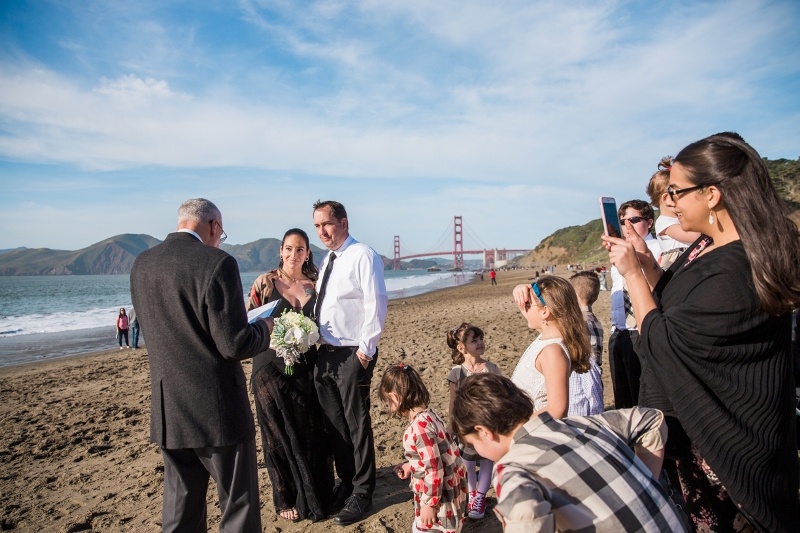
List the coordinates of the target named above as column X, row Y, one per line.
column 190, row 305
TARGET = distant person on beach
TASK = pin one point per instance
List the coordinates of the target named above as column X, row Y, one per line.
column 122, row 327
column 672, row 239
column 134, row 327
column 493, row 276
column 296, row 452
column 433, row 464
column 550, row 306
column 623, row 362
column 594, row 473
column 715, row 338
column 350, row 310
column 467, row 348
column 188, row 297
column 602, row 276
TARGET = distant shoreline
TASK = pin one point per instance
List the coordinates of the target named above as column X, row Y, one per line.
column 34, row 348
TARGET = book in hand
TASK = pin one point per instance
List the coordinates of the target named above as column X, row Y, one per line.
column 265, row 311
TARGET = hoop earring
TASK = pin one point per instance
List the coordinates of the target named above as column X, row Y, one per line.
column 711, row 217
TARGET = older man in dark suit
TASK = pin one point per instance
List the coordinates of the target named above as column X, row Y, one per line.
column 189, row 300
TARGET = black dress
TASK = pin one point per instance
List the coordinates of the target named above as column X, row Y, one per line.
column 299, row 464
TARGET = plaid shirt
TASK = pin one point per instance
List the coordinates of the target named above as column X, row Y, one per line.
column 580, row 474
column 595, row 334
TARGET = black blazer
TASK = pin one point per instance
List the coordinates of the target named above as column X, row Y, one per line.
column 190, row 304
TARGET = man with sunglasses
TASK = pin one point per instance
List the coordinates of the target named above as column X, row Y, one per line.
column 188, row 297
column 624, row 363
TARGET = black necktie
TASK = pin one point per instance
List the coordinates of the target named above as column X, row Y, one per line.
column 324, row 285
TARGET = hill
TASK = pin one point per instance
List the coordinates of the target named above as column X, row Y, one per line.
column 581, row 244
column 114, row 255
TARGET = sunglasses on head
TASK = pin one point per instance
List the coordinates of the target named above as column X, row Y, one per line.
column 538, row 292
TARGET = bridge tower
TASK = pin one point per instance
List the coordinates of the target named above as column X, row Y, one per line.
column 396, row 261
column 458, row 243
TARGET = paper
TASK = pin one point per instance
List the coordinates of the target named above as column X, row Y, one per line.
column 265, row 311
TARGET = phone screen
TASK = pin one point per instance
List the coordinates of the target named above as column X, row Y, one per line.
column 608, row 209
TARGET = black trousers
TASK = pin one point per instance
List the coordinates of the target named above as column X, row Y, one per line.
column 626, row 370
column 343, row 386
column 186, row 473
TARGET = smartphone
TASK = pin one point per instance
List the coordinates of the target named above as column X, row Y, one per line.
column 608, row 210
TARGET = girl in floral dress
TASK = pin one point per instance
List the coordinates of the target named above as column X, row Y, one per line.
column 434, row 466
column 468, row 347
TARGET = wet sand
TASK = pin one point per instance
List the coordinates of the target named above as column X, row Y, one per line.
column 74, row 432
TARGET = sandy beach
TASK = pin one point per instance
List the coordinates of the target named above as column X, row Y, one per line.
column 74, row 433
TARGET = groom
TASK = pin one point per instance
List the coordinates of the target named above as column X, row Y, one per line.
column 350, row 311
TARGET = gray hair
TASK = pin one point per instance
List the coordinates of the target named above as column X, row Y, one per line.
column 198, row 210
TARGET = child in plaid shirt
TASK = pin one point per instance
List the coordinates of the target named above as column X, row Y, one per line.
column 587, row 287
column 572, row 474
column 438, row 476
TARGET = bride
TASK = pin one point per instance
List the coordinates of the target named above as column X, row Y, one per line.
column 290, row 420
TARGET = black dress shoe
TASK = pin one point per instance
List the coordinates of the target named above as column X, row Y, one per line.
column 355, row 508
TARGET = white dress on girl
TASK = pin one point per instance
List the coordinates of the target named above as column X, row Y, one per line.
column 527, row 378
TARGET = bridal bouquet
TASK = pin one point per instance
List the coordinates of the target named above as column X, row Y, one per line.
column 292, row 336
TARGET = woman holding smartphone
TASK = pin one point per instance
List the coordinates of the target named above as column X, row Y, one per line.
column 715, row 337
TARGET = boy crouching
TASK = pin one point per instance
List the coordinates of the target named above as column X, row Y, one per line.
column 577, row 473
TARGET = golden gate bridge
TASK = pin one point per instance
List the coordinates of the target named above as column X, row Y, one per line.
column 492, row 257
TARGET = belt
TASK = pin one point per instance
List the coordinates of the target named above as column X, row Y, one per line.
column 332, row 348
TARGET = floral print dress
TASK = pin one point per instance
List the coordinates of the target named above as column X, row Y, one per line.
column 438, row 475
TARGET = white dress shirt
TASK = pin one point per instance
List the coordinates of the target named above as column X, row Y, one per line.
column 353, row 310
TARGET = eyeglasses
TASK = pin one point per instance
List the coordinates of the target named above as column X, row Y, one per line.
column 634, row 220
column 538, row 292
column 224, row 235
column 672, row 190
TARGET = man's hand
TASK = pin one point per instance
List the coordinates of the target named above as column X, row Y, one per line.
column 270, row 323
column 363, row 359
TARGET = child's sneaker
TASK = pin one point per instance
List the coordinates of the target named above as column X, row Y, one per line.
column 478, row 506
column 471, row 500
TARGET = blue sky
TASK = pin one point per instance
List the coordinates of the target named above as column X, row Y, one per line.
column 515, row 115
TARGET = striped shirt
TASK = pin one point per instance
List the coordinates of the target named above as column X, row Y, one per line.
column 580, row 474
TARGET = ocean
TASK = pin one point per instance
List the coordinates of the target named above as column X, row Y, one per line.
column 50, row 317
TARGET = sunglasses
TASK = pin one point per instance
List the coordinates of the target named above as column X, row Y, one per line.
column 673, row 191
column 634, row 220
column 538, row 292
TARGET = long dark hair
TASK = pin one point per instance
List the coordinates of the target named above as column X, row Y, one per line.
column 726, row 161
column 309, row 269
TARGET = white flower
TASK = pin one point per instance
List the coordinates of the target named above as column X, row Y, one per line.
column 292, row 335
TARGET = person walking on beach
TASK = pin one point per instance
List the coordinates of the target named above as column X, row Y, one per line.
column 493, row 276
column 188, row 295
column 122, row 328
column 350, row 310
column 133, row 322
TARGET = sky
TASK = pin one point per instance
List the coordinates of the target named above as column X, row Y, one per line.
column 514, row 115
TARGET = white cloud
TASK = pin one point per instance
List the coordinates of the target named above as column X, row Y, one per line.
column 517, row 101
column 131, row 89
